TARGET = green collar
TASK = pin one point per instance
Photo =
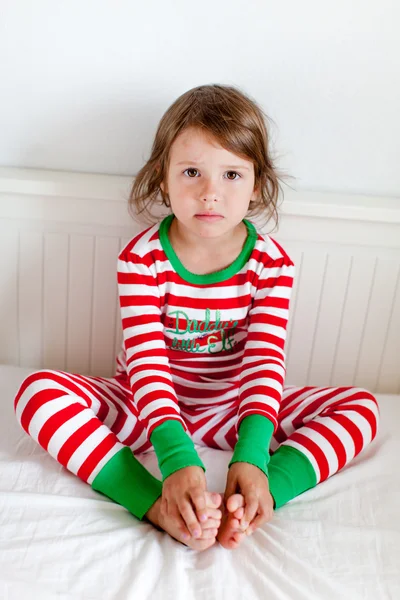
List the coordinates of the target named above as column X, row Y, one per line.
column 209, row 278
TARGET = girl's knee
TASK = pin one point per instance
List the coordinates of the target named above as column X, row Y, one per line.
column 372, row 406
column 35, row 382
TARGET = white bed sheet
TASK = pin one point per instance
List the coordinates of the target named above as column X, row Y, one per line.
column 60, row 539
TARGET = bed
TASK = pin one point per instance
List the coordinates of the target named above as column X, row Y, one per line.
column 60, row 539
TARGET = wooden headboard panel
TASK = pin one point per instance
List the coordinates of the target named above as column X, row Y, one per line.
column 60, row 234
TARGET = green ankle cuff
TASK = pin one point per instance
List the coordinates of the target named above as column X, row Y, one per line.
column 290, row 473
column 125, row 480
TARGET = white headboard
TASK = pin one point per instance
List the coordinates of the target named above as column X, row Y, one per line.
column 60, row 234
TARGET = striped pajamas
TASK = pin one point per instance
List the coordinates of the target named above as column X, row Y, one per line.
column 83, row 421
column 206, row 351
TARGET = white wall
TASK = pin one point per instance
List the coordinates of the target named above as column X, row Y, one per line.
column 84, row 83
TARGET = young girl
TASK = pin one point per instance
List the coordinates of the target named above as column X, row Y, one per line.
column 204, row 302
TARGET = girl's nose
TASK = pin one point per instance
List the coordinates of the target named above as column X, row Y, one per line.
column 209, row 193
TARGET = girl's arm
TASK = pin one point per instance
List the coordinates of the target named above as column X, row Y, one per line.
column 148, row 366
column 263, row 366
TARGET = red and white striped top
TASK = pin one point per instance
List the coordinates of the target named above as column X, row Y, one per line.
column 203, row 341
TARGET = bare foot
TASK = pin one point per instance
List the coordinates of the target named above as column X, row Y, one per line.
column 209, row 527
column 230, row 533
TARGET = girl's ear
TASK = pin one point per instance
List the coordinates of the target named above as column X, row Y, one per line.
column 255, row 194
column 158, row 169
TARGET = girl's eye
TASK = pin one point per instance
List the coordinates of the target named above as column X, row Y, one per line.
column 190, row 170
column 230, row 179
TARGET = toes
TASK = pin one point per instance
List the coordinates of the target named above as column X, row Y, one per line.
column 228, row 543
column 234, row 502
column 211, row 524
column 209, row 533
column 238, row 537
column 238, row 514
column 213, row 499
column 230, row 534
column 213, row 513
column 216, row 499
column 200, row 545
column 235, row 524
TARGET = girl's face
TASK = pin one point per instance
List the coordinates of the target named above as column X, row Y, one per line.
column 203, row 177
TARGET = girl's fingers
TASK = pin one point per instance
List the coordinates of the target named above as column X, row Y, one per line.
column 231, row 487
column 199, row 501
column 189, row 517
column 250, row 511
column 164, row 506
column 182, row 527
column 255, row 524
column 172, row 512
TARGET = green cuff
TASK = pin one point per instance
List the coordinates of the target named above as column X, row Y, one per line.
column 125, row 480
column 255, row 433
column 174, row 448
column 290, row 474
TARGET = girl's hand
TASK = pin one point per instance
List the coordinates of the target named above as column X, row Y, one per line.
column 183, row 495
column 252, row 483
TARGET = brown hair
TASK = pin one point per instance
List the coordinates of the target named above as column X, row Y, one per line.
column 235, row 121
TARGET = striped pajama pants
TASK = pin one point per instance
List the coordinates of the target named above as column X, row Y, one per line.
column 83, row 421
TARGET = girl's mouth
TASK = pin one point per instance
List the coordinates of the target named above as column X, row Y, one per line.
column 209, row 218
